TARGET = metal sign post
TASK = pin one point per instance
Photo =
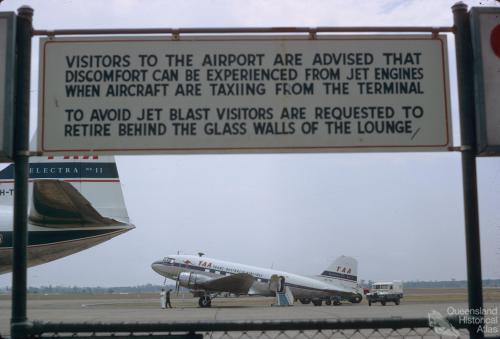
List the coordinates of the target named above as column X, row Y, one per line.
column 469, row 176
column 21, row 161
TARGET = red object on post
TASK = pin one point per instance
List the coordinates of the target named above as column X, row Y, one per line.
column 495, row 40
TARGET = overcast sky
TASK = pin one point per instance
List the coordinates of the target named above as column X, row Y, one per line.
column 399, row 214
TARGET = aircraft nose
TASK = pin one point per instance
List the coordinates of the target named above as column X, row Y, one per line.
column 157, row 266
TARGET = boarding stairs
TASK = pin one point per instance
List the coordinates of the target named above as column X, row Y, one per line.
column 284, row 296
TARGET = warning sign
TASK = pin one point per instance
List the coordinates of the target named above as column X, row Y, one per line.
column 251, row 94
column 485, row 23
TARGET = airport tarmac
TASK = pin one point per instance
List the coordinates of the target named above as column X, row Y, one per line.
column 146, row 308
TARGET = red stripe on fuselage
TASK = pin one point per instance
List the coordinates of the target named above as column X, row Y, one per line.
column 68, row 180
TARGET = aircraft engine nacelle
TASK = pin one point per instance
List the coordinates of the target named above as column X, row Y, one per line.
column 192, row 280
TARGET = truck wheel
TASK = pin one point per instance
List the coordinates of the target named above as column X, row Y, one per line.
column 396, row 301
column 357, row 299
column 328, row 302
column 305, row 301
column 383, row 303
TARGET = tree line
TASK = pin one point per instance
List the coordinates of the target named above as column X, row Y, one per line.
column 150, row 288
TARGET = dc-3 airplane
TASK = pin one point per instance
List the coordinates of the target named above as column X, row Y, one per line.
column 74, row 203
column 208, row 278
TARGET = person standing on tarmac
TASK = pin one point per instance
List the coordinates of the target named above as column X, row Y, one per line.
column 163, row 298
column 168, row 304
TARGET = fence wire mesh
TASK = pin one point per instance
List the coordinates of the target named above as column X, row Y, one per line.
column 411, row 333
column 369, row 328
column 330, row 334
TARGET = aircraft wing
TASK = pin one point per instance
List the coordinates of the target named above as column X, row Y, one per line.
column 238, row 283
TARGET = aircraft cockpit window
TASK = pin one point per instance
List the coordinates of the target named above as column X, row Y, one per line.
column 169, row 260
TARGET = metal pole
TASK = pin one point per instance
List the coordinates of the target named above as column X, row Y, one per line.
column 233, row 30
column 21, row 163
column 465, row 74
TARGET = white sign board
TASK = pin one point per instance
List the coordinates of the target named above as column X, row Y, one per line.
column 7, row 53
column 243, row 94
column 485, row 24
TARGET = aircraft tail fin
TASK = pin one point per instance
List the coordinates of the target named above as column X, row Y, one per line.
column 344, row 268
column 90, row 181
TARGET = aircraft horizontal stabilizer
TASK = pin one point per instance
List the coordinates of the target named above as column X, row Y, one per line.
column 56, row 202
column 238, row 283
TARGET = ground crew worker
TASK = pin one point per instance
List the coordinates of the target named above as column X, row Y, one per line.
column 168, row 304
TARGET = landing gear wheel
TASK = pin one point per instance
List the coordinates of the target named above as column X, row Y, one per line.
column 317, row 302
column 328, row 302
column 396, row 301
column 383, row 303
column 336, row 302
column 305, row 301
column 369, row 302
column 205, row 301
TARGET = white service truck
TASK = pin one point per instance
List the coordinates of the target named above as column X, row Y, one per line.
column 384, row 292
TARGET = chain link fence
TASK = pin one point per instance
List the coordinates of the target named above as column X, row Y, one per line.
column 290, row 329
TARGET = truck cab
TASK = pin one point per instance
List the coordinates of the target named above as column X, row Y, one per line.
column 384, row 292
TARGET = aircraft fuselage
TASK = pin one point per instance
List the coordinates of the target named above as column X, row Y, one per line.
column 301, row 286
